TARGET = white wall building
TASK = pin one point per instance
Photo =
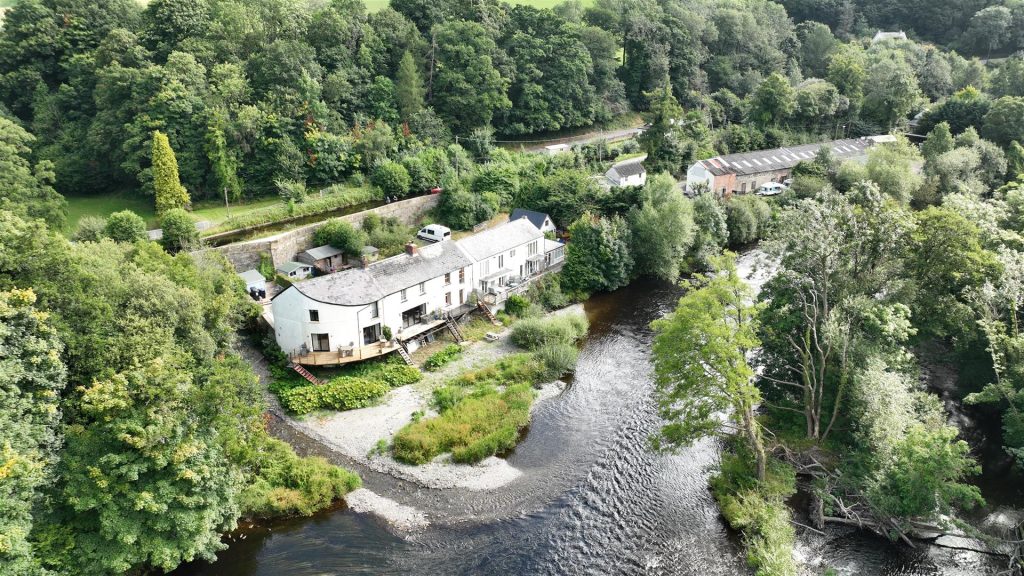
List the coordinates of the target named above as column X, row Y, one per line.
column 628, row 173
column 340, row 317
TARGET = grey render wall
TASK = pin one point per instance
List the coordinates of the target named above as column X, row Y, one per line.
column 286, row 245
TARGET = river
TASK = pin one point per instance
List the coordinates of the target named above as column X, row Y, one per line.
column 592, row 500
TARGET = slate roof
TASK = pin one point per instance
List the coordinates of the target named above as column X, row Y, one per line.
column 627, row 169
column 535, row 218
column 499, row 239
column 289, row 267
column 747, row 163
column 360, row 286
column 252, row 277
column 322, row 252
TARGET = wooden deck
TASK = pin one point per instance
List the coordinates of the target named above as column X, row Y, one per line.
column 337, row 358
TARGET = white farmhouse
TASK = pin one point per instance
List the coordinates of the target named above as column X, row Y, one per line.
column 341, row 317
column 628, row 173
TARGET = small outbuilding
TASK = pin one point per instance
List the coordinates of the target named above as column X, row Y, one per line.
column 295, row 270
column 326, row 258
column 253, row 280
column 882, row 36
column 542, row 221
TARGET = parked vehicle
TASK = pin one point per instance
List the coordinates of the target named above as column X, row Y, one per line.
column 787, row 182
column 771, row 189
column 434, row 233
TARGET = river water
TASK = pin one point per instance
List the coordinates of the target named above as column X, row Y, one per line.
column 592, row 500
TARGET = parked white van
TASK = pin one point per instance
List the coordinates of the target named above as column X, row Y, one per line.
column 770, row 189
column 434, row 233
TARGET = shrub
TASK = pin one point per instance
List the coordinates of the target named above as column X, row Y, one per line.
column 442, row 357
column 556, row 359
column 90, row 229
column 547, row 291
column 286, row 484
column 758, row 510
column 532, row 333
column 447, row 396
column 341, row 235
column 517, row 306
column 395, row 374
column 345, row 393
column 392, row 178
column 179, row 230
column 125, row 226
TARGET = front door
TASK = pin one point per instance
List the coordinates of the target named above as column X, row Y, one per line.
column 321, row 343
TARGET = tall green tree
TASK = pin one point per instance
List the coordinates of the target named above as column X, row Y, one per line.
column 170, row 194
column 661, row 229
column 409, row 90
column 26, row 189
column 773, row 102
column 32, row 379
column 598, row 258
column 468, row 88
column 701, row 368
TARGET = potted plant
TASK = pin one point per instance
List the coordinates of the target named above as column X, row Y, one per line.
column 385, row 334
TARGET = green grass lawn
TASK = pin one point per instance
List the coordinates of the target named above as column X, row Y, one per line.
column 107, row 204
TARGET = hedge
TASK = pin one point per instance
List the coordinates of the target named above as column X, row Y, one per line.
column 345, row 393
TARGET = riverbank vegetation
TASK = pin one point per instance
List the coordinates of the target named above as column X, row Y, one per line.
column 862, row 280
column 481, row 411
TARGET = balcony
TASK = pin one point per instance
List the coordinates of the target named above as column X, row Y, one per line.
column 343, row 355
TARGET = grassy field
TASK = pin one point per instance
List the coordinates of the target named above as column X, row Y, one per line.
column 81, row 206
column 103, row 206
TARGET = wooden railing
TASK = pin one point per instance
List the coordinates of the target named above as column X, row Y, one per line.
column 343, row 355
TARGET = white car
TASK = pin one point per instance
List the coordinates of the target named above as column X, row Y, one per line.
column 434, row 233
column 770, row 189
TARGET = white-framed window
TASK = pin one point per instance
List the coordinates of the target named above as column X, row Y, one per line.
column 462, row 276
column 314, row 315
column 531, row 248
column 423, row 288
column 447, row 278
column 501, row 261
column 404, row 295
column 374, row 310
column 486, row 268
column 512, row 253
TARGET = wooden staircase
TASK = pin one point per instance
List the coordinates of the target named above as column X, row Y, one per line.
column 487, row 312
column 405, row 355
column 305, row 374
column 453, row 327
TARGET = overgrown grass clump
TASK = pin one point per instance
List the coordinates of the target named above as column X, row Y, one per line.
column 438, row 359
column 759, row 511
column 533, row 333
column 480, row 425
column 286, row 484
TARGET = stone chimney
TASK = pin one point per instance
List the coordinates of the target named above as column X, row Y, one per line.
column 410, row 248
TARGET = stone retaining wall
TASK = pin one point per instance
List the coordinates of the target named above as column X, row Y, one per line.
column 284, row 246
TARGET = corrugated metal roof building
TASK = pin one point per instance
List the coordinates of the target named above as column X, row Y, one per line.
column 746, row 171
